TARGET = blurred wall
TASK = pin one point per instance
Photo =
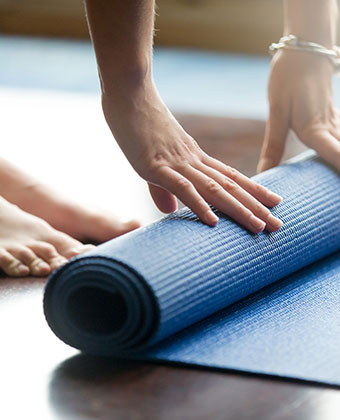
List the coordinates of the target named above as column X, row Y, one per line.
column 233, row 25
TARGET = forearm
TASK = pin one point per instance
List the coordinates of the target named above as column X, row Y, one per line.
column 122, row 33
column 312, row 20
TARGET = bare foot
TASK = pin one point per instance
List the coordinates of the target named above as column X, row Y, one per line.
column 36, row 198
column 30, row 246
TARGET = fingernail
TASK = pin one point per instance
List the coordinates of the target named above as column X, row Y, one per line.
column 211, row 218
column 274, row 197
column 257, row 224
column 274, row 222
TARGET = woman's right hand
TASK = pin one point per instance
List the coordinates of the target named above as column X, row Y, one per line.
column 174, row 165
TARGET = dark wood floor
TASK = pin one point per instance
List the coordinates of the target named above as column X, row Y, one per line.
column 41, row 378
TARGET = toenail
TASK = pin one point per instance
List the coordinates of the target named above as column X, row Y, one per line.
column 41, row 266
column 75, row 251
column 59, row 261
column 82, row 248
column 21, row 269
column 89, row 246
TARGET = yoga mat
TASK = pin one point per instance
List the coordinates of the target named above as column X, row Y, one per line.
column 180, row 291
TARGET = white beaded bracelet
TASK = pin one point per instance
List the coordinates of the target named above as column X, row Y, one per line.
column 292, row 42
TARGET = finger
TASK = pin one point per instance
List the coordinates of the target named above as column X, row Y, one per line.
column 37, row 266
column 164, row 200
column 261, row 193
column 186, row 192
column 326, row 145
column 214, row 194
column 49, row 254
column 11, row 265
column 274, row 140
column 259, row 210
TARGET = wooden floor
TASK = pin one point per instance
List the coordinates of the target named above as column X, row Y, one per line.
column 40, row 377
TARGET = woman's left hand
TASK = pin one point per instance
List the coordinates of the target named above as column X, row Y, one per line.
column 300, row 98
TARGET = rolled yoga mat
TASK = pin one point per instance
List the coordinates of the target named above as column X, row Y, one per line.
column 181, row 291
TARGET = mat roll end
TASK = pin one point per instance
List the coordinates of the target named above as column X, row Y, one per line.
column 100, row 306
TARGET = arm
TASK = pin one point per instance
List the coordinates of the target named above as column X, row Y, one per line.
column 300, row 86
column 152, row 140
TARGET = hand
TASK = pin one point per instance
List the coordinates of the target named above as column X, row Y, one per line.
column 174, row 165
column 300, row 98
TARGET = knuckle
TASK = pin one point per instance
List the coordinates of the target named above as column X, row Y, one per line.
column 182, row 165
column 243, row 211
column 158, row 157
column 154, row 167
column 212, row 186
column 230, row 185
column 258, row 189
column 261, row 210
column 153, row 172
column 182, row 184
column 202, row 205
column 247, row 214
column 231, row 172
column 239, row 211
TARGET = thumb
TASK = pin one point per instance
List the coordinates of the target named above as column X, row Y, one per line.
column 274, row 141
column 164, row 200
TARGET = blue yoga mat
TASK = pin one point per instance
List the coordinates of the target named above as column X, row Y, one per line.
column 180, row 291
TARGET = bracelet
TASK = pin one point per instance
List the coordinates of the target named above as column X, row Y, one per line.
column 292, row 42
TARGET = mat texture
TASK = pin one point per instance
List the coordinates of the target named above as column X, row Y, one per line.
column 220, row 297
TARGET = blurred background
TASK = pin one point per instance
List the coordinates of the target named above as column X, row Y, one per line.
column 236, row 25
column 192, row 70
column 210, row 65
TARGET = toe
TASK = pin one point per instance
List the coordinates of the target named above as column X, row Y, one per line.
column 131, row 225
column 80, row 250
column 104, row 228
column 85, row 248
column 49, row 254
column 67, row 246
column 11, row 265
column 112, row 228
column 37, row 266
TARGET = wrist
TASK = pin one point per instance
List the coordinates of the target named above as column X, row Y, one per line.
column 132, row 103
column 124, row 79
column 127, row 92
column 306, row 66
